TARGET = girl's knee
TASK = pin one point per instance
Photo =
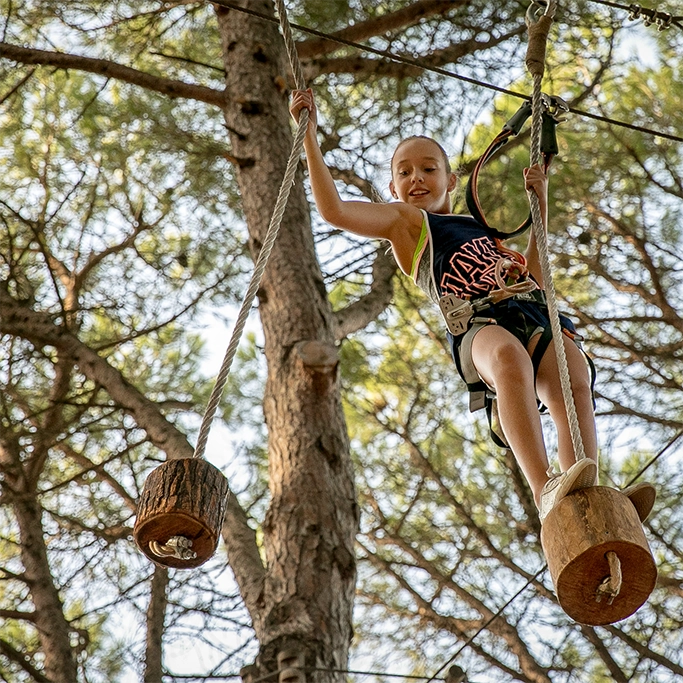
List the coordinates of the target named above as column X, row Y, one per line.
column 512, row 364
column 582, row 393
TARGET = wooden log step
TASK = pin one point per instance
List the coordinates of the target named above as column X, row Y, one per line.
column 183, row 503
column 581, row 536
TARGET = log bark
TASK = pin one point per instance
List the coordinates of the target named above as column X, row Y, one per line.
column 577, row 536
column 182, row 498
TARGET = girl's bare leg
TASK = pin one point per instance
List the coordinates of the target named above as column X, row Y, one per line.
column 549, row 391
column 504, row 364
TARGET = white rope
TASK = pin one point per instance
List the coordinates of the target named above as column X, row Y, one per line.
column 268, row 242
column 544, row 256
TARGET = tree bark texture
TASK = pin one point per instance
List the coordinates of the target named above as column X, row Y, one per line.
column 53, row 629
column 308, row 586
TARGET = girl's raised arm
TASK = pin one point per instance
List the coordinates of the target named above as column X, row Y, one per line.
column 535, row 180
column 396, row 221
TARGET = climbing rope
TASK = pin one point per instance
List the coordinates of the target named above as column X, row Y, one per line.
column 539, row 18
column 268, row 242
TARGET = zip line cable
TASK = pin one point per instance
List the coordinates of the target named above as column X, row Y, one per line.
column 675, row 438
column 445, row 72
column 661, row 19
column 271, row 676
column 487, row 623
column 321, row 669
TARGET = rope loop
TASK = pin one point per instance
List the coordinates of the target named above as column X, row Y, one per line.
column 611, row 585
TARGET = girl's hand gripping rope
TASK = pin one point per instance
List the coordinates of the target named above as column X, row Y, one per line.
column 535, row 180
column 303, row 99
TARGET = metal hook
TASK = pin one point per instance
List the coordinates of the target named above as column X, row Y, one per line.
column 663, row 20
column 539, row 8
column 555, row 107
column 176, row 546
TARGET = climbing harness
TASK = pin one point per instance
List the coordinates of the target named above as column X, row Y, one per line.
column 554, row 109
column 481, row 396
column 460, row 313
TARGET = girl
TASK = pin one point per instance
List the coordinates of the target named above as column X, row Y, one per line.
column 454, row 255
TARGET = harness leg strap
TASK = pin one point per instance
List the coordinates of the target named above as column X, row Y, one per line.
column 542, row 347
column 476, row 386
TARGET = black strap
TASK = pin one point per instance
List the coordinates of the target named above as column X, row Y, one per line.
column 512, row 127
column 541, row 348
column 498, row 439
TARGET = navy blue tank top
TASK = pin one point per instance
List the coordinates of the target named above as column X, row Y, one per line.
column 463, row 256
column 456, row 255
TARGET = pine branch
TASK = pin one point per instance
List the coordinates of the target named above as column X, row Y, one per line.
column 104, row 67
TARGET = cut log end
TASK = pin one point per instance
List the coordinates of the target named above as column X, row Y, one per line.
column 581, row 536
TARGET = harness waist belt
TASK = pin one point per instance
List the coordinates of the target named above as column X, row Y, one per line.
column 458, row 313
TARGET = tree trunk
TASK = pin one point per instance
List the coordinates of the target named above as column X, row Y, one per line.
column 308, row 588
column 156, row 613
column 53, row 629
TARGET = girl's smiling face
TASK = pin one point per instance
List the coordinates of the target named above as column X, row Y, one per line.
column 421, row 175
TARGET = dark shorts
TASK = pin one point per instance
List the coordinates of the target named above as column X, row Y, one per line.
column 523, row 319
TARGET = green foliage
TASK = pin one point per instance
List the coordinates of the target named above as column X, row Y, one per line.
column 120, row 219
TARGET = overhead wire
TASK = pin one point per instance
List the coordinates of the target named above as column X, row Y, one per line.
column 486, row 624
column 661, row 19
column 444, row 72
column 272, row 675
column 653, row 460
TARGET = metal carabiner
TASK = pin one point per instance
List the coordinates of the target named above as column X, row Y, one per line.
column 555, row 107
column 539, row 8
